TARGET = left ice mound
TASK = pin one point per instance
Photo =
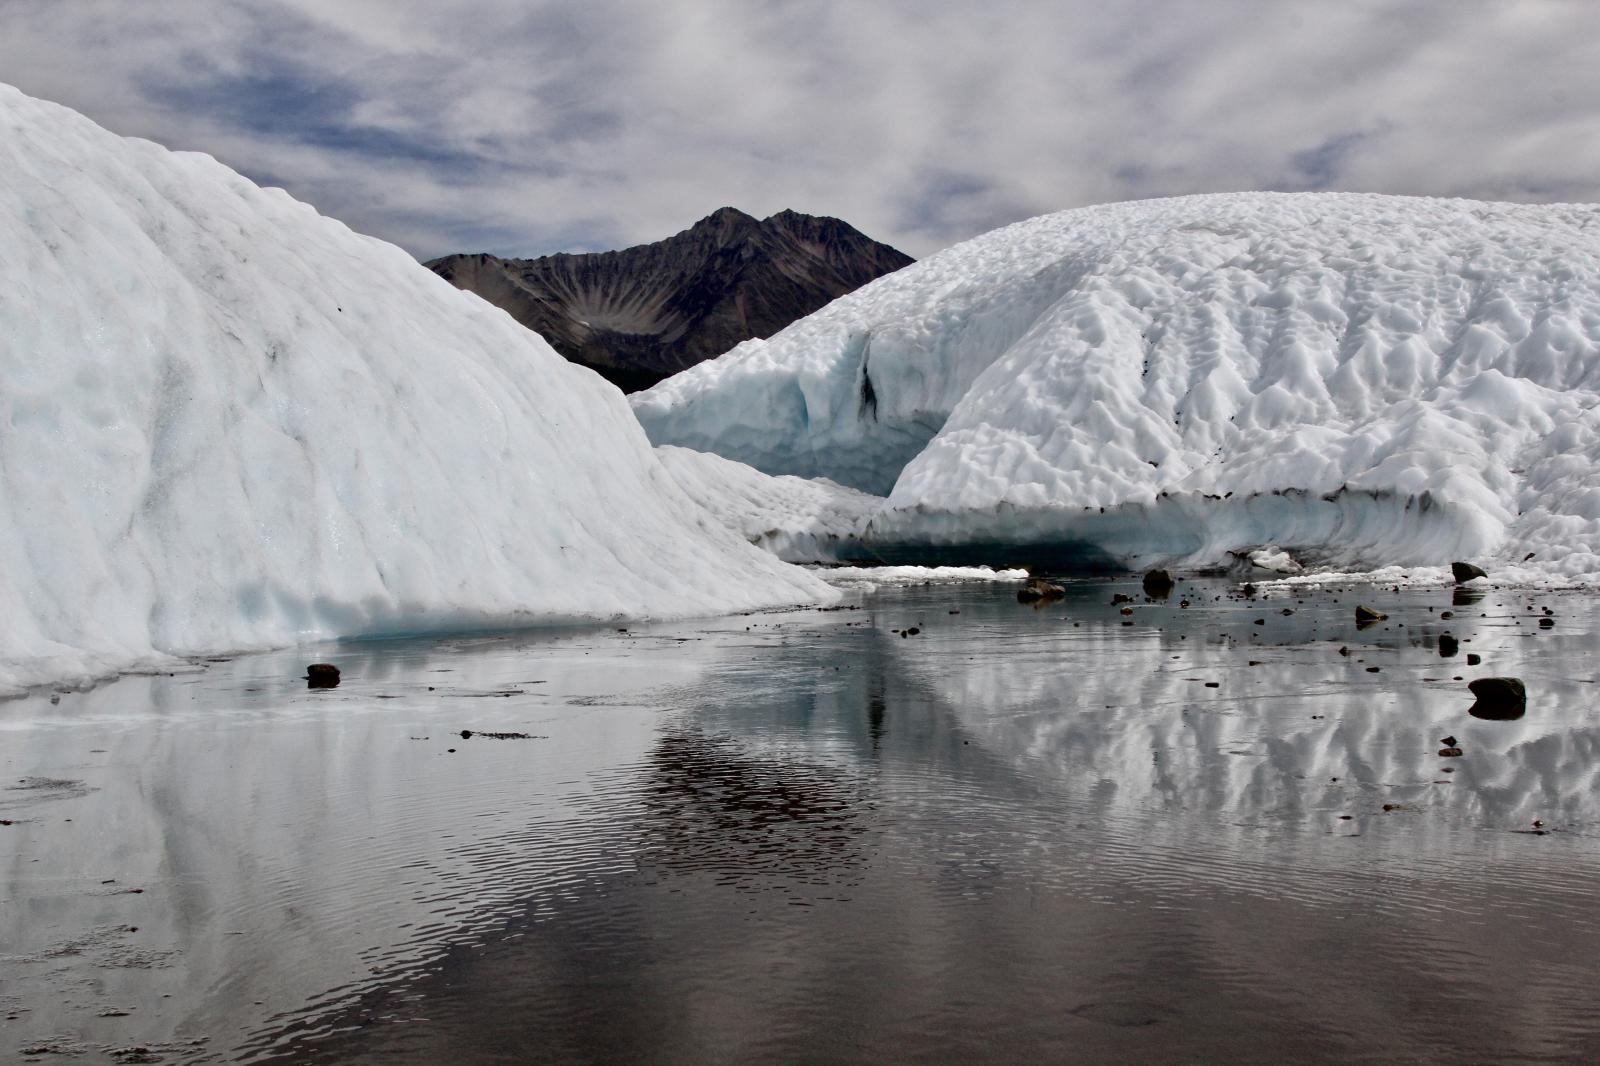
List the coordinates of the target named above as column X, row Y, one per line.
column 231, row 423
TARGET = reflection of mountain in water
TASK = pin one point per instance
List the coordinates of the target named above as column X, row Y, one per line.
column 855, row 846
column 812, row 839
column 713, row 806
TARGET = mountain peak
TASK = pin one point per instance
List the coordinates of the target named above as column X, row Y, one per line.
column 727, row 214
column 644, row 313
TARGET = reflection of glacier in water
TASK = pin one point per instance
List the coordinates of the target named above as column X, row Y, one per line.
column 1016, row 834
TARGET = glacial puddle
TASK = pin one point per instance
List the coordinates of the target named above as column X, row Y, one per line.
column 1054, row 834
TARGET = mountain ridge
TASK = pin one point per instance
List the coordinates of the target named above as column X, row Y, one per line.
column 640, row 314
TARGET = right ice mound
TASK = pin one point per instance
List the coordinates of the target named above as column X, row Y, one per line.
column 1361, row 379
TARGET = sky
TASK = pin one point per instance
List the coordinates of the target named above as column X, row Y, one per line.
column 523, row 127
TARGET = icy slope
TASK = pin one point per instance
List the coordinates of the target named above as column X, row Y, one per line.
column 801, row 520
column 228, row 423
column 1360, row 379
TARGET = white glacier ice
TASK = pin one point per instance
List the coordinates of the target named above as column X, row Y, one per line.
column 874, row 576
column 801, row 520
column 1355, row 380
column 230, row 423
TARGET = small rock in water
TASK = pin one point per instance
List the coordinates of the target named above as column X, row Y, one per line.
column 1499, row 698
column 1547, row 623
column 322, row 675
column 1464, row 572
column 1473, row 658
column 1448, row 742
column 1038, row 590
column 1120, row 598
column 1448, row 645
column 1366, row 616
column 1158, row 584
column 1450, row 753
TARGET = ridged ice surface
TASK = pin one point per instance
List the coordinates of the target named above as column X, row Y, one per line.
column 229, row 423
column 1360, row 379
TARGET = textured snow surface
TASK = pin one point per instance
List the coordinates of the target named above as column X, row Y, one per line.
column 1358, row 380
column 870, row 576
column 802, row 520
column 230, row 423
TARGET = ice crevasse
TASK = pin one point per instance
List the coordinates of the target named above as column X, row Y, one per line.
column 230, row 423
column 1363, row 380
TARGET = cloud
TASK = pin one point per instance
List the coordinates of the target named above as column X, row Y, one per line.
column 524, row 128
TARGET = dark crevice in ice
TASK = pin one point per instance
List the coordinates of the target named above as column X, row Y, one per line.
column 869, row 398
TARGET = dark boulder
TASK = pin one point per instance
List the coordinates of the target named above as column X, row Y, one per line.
column 1499, row 698
column 1158, row 584
column 1465, row 572
column 1448, row 645
column 1366, row 616
column 322, row 675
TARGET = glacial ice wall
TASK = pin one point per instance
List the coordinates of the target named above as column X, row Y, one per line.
column 230, row 423
column 1363, row 379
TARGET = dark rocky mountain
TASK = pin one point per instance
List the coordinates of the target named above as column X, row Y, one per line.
column 645, row 313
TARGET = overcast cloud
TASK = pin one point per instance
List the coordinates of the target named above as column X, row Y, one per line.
column 528, row 127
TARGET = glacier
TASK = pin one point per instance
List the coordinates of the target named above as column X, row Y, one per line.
column 1351, row 380
column 230, row 423
column 800, row 520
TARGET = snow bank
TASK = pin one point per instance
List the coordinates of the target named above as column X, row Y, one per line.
column 802, row 520
column 230, row 423
column 872, row 576
column 1360, row 380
